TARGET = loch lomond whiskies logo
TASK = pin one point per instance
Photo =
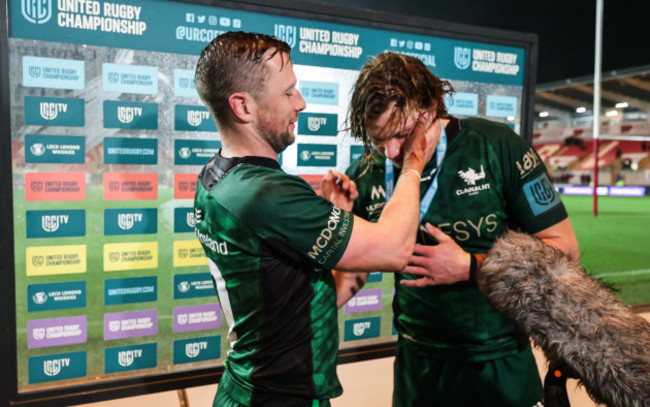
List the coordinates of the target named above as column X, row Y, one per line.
column 36, row 11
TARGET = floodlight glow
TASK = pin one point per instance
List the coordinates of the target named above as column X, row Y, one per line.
column 543, row 114
column 621, row 105
column 611, row 113
column 510, row 118
column 581, row 109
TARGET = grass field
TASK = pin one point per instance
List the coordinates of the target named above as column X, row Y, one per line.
column 615, row 245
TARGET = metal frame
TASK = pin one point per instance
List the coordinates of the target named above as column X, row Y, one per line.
column 165, row 382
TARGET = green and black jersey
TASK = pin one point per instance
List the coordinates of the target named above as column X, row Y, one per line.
column 271, row 243
column 490, row 180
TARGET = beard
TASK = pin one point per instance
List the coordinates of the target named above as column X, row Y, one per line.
column 278, row 140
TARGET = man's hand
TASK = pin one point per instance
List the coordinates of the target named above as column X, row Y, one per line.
column 446, row 263
column 339, row 189
column 420, row 145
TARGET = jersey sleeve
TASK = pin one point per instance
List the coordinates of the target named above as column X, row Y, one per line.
column 284, row 207
column 532, row 201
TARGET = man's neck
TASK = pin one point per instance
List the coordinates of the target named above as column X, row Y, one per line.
column 243, row 144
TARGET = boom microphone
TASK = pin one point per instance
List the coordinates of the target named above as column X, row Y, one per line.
column 572, row 317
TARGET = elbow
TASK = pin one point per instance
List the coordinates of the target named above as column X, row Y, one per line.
column 401, row 256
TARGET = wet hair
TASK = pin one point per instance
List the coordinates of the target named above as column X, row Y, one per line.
column 234, row 62
column 391, row 77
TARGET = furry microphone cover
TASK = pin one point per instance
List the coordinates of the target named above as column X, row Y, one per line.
column 572, row 317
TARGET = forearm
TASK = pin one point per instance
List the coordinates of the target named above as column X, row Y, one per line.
column 562, row 237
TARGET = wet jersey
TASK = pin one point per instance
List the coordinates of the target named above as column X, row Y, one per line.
column 271, row 243
column 490, row 180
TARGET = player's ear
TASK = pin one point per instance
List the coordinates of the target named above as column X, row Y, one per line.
column 242, row 106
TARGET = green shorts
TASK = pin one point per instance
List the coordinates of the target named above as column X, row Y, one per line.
column 419, row 381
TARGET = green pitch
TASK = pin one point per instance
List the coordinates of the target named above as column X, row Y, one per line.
column 615, row 245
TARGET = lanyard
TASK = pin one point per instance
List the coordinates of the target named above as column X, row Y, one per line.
column 441, row 150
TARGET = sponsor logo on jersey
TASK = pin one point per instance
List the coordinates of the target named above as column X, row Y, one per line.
column 54, row 260
column 470, row 177
column 327, row 234
column 197, row 317
column 56, row 331
column 190, row 253
column 61, row 366
column 462, row 57
column 378, row 192
column 197, row 349
column 36, row 12
column 465, row 229
column 528, row 163
column 541, row 195
column 130, row 256
column 130, row 324
column 130, row 290
column 56, row 296
column 126, row 358
column 366, row 328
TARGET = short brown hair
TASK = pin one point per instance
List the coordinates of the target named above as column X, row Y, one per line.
column 234, row 62
column 398, row 78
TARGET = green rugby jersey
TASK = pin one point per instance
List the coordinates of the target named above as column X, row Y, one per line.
column 271, row 243
column 490, row 179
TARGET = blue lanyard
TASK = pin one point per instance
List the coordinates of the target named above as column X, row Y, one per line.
column 441, row 150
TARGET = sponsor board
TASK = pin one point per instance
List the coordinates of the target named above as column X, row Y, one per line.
column 124, row 150
column 133, row 357
column 193, row 118
column 130, row 290
column 462, row 104
column 320, row 93
column 55, row 223
column 356, row 152
column 43, row 333
column 316, row 155
column 197, row 317
column 130, row 115
column 197, row 349
column 364, row 300
column 195, row 152
column 130, row 324
column 189, row 253
column 53, row 73
column 193, row 286
column 120, row 186
column 185, row 186
column 54, row 260
column 47, row 111
column 500, row 106
column 130, row 256
column 314, row 181
column 55, row 149
column 184, row 85
column 317, row 124
column 55, row 186
column 62, row 366
column 56, row 296
column 137, row 79
column 130, row 221
column 184, row 220
column 365, row 328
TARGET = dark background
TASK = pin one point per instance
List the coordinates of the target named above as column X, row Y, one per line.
column 566, row 28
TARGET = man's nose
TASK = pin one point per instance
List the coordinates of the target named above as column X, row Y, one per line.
column 393, row 148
